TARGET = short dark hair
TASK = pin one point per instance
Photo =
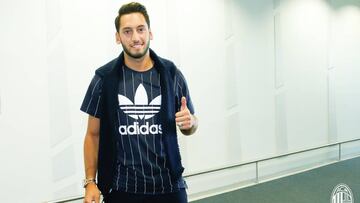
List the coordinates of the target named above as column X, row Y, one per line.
column 133, row 7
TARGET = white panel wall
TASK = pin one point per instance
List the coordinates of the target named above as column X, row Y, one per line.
column 266, row 77
column 345, row 68
column 24, row 119
column 304, row 60
column 254, row 51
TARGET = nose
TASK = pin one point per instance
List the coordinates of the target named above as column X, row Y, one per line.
column 135, row 37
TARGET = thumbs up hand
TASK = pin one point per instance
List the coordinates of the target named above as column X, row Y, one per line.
column 183, row 118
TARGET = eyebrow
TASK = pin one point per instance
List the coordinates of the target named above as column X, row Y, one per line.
column 140, row 26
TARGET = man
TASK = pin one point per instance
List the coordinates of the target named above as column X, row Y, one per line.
column 134, row 104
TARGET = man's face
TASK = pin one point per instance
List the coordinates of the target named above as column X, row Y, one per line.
column 134, row 35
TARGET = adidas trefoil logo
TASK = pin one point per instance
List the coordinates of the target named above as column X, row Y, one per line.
column 140, row 108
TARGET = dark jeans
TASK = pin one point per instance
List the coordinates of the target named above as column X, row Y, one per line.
column 124, row 197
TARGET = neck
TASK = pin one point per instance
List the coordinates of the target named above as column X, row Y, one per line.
column 139, row 64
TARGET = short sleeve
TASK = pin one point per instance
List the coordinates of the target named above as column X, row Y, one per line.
column 182, row 90
column 91, row 103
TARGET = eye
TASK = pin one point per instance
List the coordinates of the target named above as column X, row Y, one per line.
column 127, row 32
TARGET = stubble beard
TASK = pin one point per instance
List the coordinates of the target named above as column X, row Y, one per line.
column 138, row 55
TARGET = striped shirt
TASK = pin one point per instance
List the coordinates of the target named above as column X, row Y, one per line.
column 141, row 159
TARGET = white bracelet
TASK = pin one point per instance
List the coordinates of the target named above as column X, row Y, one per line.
column 87, row 181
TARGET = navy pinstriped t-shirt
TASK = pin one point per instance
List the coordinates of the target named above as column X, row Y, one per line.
column 141, row 160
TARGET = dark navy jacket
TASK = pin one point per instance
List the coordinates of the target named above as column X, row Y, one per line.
column 111, row 76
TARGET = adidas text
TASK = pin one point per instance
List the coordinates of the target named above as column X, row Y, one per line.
column 140, row 129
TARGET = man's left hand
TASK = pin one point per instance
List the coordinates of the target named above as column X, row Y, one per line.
column 184, row 119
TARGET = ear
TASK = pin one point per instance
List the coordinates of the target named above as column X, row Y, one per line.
column 117, row 38
column 150, row 34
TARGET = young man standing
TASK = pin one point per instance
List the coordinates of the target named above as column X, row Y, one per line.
column 134, row 104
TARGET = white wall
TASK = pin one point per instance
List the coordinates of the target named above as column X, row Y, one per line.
column 265, row 79
column 24, row 120
column 344, row 67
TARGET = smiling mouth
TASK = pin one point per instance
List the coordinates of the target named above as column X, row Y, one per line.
column 136, row 46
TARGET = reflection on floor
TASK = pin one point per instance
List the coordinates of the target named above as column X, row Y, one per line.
column 314, row 186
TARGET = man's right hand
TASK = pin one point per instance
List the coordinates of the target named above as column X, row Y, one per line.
column 92, row 193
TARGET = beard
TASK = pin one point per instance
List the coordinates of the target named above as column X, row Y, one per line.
column 136, row 55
